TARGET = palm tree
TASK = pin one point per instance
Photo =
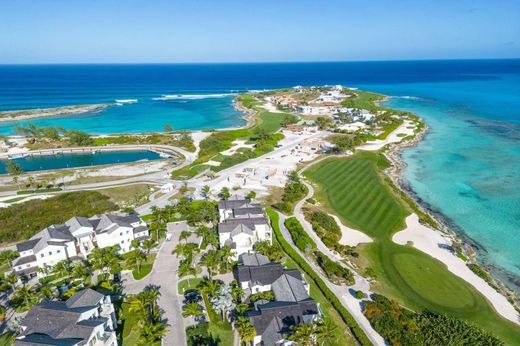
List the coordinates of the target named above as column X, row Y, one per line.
column 26, row 295
column 80, row 271
column 148, row 245
column 62, row 268
column 205, row 191
column 245, row 329
column 210, row 260
column 152, row 333
column 45, row 270
column 136, row 258
column 184, row 236
column 192, row 309
column 186, row 269
column 151, row 295
column 224, row 193
column 12, row 280
column 303, row 334
column 45, row 293
column 326, row 331
column 209, row 287
column 225, row 253
column 8, row 256
column 137, row 304
column 97, row 259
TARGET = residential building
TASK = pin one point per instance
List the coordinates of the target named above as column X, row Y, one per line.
column 292, row 305
column 242, row 225
column 76, row 239
column 86, row 318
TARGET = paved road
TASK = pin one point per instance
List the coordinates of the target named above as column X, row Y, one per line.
column 342, row 291
column 164, row 274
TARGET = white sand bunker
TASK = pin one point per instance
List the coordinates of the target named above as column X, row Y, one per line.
column 436, row 245
column 350, row 236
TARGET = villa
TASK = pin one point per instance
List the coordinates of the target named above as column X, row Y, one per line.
column 76, row 239
column 292, row 305
column 86, row 318
column 242, row 224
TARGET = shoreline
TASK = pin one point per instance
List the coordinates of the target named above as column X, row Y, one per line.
column 38, row 113
column 446, row 227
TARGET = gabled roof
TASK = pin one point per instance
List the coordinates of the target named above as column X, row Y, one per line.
column 77, row 222
column 84, row 298
column 289, row 287
column 27, row 245
column 253, row 259
column 231, row 224
column 236, row 202
column 24, row 260
column 259, row 275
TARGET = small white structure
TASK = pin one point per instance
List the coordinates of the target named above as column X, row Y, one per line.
column 352, row 127
column 168, row 187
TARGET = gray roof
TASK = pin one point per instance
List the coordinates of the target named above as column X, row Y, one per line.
column 264, row 274
column 54, row 234
column 57, row 322
column 77, row 222
column 27, row 245
column 231, row 224
column 140, row 229
column 253, row 259
column 236, row 202
column 289, row 287
column 24, row 260
column 104, row 222
column 84, row 298
column 241, row 212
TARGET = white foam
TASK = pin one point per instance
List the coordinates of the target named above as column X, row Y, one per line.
column 191, row 97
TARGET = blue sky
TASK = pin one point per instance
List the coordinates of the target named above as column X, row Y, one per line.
column 127, row 31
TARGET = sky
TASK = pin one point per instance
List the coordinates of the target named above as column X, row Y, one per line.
column 171, row 31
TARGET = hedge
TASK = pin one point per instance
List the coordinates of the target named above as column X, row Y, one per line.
column 358, row 333
column 300, row 238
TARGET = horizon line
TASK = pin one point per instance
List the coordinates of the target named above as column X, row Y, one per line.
column 255, row 62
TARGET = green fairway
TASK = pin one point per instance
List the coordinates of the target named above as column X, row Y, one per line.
column 354, row 189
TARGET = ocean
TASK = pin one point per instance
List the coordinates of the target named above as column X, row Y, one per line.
column 467, row 168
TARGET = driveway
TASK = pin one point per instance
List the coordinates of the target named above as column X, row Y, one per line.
column 164, row 274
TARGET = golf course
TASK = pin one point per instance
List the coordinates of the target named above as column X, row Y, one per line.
column 355, row 189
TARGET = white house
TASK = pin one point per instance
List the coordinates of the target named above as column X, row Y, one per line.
column 242, row 224
column 86, row 318
column 76, row 239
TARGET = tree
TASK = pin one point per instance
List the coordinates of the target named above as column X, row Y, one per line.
column 192, row 309
column 224, row 193
column 251, row 195
column 326, row 331
column 168, row 128
column 343, row 142
column 303, row 334
column 152, row 333
column 62, row 268
column 210, row 260
column 79, row 138
column 205, row 191
column 223, row 301
column 12, row 280
column 137, row 304
column 225, row 254
column 209, row 287
column 25, row 296
column 186, row 269
column 184, row 236
column 8, row 256
column 13, row 168
column 324, row 122
column 148, row 244
column 80, row 271
column 45, row 293
column 245, row 329
column 136, row 258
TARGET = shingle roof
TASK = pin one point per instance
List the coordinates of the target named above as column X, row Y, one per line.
column 238, row 212
column 24, row 260
column 236, row 202
column 289, row 288
column 77, row 222
column 27, row 245
column 253, row 259
column 231, row 224
column 84, row 298
column 264, row 275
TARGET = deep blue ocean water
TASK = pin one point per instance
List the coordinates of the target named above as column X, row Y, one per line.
column 46, row 162
column 467, row 167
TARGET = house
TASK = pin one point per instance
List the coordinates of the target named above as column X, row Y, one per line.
column 76, row 238
column 242, row 224
column 292, row 305
column 352, row 127
column 86, row 318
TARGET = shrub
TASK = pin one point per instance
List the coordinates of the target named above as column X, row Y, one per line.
column 300, row 238
column 360, row 295
column 333, row 269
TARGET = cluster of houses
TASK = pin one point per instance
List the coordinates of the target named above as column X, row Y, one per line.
column 86, row 318
column 242, row 224
column 76, row 239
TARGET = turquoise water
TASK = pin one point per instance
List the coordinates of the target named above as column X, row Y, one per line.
column 468, row 166
column 46, row 162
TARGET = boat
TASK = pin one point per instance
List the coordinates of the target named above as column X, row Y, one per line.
column 163, row 155
column 123, row 101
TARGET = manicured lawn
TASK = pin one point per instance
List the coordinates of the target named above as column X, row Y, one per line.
column 146, row 267
column 130, row 332
column 188, row 284
column 354, row 189
column 219, row 329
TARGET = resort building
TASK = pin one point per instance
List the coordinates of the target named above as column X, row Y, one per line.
column 292, row 305
column 76, row 239
column 86, row 318
column 242, row 225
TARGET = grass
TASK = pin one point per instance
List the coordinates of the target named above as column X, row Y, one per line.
column 355, row 189
column 130, row 333
column 184, row 285
column 4, row 267
column 7, row 339
column 129, row 194
column 219, row 329
column 146, row 267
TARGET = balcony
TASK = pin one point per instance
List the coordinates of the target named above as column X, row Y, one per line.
column 107, row 339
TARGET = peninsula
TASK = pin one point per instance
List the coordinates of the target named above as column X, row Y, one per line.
column 27, row 114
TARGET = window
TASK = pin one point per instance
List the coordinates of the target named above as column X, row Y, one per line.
column 41, row 255
column 121, row 234
column 58, row 251
column 127, row 232
column 50, row 253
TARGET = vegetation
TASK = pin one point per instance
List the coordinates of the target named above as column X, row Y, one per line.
column 13, row 168
column 355, row 189
column 300, row 238
column 199, row 335
column 315, row 281
column 404, row 327
column 335, row 271
column 293, row 191
column 326, row 228
column 21, row 221
column 273, row 252
column 343, row 142
column 182, row 140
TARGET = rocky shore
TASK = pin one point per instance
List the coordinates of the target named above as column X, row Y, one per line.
column 27, row 114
